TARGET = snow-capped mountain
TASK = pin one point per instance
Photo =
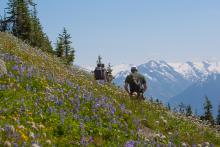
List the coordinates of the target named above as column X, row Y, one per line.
column 120, row 68
column 196, row 70
column 167, row 80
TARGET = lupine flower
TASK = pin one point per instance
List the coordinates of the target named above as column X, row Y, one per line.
column 112, row 111
column 15, row 144
column 22, row 69
column 130, row 143
column 15, row 67
column 83, row 141
column 9, row 129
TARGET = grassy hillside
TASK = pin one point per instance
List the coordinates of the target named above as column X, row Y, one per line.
column 44, row 103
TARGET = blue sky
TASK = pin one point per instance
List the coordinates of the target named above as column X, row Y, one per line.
column 135, row 31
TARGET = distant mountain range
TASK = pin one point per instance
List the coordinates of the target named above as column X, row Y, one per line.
column 195, row 94
column 186, row 82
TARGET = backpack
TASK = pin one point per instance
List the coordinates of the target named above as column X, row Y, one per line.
column 136, row 83
column 99, row 73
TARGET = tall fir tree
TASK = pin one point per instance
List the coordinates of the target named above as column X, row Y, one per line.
column 109, row 73
column 22, row 21
column 64, row 49
column 218, row 116
column 3, row 23
column 19, row 16
column 59, row 51
column 182, row 108
column 188, row 110
column 168, row 106
column 38, row 37
column 99, row 61
column 208, row 111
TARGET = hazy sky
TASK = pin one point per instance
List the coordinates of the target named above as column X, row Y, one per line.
column 134, row 31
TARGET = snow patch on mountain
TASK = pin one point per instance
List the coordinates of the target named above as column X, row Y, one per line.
column 121, row 67
column 196, row 70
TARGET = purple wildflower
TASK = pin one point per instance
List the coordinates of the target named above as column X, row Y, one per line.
column 83, row 141
column 69, row 83
column 15, row 67
column 22, row 69
column 50, row 110
column 15, row 145
column 112, row 111
column 130, row 143
column 81, row 126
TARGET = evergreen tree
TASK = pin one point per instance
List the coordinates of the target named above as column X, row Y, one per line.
column 109, row 73
column 218, row 116
column 188, row 110
column 64, row 49
column 3, row 23
column 208, row 111
column 38, row 37
column 59, row 51
column 182, row 108
column 99, row 61
column 19, row 16
column 168, row 106
column 22, row 22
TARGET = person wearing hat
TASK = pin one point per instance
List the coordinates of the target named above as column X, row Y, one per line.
column 135, row 83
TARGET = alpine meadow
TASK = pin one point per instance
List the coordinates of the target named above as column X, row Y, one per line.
column 46, row 99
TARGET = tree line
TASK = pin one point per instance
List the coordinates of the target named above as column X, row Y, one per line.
column 20, row 18
column 207, row 108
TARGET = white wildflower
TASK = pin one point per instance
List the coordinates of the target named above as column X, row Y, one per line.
column 170, row 133
column 157, row 135
column 41, row 126
column 21, row 127
column 184, row 144
column 2, row 129
column 163, row 137
column 35, row 145
column 157, row 122
column 3, row 69
column 7, row 144
column 206, row 143
column 48, row 142
column 34, row 127
column 164, row 121
column 31, row 135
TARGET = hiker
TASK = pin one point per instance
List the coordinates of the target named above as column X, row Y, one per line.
column 100, row 73
column 135, row 84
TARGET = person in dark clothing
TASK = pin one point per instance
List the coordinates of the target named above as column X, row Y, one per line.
column 135, row 83
column 100, row 73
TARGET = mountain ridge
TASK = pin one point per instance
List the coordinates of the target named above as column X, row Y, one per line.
column 176, row 82
column 189, row 71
